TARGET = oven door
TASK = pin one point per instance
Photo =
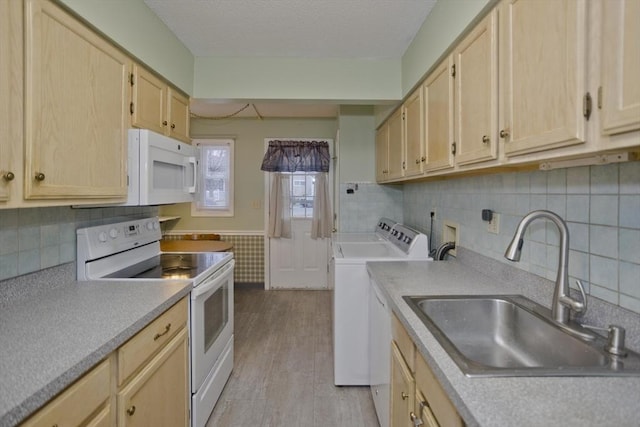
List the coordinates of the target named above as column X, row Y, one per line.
column 211, row 322
column 168, row 171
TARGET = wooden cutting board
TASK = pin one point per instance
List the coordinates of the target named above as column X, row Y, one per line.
column 195, row 246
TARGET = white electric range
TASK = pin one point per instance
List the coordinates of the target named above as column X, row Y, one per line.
column 130, row 250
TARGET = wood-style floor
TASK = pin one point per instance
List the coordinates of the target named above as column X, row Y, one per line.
column 283, row 370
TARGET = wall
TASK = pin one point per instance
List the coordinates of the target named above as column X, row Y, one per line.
column 132, row 25
column 331, row 79
column 36, row 238
column 601, row 205
column 249, row 135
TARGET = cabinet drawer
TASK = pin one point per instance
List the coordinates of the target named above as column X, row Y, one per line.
column 151, row 339
column 404, row 342
column 78, row 402
column 440, row 405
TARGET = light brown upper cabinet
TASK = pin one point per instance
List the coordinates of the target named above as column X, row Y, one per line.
column 543, row 65
column 619, row 95
column 396, row 145
column 438, row 117
column 76, row 109
column 476, row 93
column 11, row 98
column 413, row 117
column 382, row 152
column 157, row 106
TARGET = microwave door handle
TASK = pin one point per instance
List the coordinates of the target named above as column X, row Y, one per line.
column 192, row 189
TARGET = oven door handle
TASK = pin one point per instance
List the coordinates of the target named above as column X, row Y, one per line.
column 214, row 280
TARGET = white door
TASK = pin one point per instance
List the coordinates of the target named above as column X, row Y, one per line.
column 299, row 262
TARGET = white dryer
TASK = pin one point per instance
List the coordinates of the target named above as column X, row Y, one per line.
column 351, row 297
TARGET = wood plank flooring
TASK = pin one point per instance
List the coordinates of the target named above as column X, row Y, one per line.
column 283, row 370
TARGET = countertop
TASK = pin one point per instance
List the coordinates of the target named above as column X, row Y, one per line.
column 510, row 401
column 52, row 336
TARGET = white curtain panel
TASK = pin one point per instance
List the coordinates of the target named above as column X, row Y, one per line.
column 279, row 202
column 321, row 220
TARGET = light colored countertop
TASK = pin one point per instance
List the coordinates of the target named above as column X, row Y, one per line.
column 510, row 401
column 50, row 337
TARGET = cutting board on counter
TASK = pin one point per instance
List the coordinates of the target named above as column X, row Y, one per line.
column 195, row 246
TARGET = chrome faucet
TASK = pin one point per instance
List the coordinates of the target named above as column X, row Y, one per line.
column 562, row 303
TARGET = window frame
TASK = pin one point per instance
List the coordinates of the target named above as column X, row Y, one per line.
column 196, row 208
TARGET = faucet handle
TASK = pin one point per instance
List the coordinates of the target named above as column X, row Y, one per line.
column 576, row 306
column 615, row 337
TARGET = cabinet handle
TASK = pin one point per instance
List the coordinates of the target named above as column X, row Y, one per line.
column 485, row 139
column 166, row 331
column 131, row 410
column 423, row 159
column 164, row 123
column 404, row 395
column 9, row 176
column 504, row 133
column 39, row 176
column 173, row 125
column 417, row 161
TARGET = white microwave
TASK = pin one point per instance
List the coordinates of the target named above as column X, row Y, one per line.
column 162, row 170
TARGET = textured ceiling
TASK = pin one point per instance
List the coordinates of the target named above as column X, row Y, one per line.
column 290, row 28
column 294, row 28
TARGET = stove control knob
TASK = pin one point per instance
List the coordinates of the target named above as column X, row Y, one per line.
column 156, row 225
column 149, row 225
column 102, row 236
column 113, row 233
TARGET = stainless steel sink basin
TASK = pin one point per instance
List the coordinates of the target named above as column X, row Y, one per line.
column 507, row 336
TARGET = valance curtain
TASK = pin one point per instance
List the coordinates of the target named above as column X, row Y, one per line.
column 298, row 156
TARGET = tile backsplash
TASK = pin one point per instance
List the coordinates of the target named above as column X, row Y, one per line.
column 360, row 210
column 601, row 205
column 32, row 239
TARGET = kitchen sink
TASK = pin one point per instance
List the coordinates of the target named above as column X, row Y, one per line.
column 510, row 335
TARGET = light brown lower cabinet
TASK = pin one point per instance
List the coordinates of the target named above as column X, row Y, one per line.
column 145, row 387
column 417, row 398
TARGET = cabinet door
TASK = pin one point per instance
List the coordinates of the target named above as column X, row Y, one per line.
column 382, row 153
column 544, row 74
column 11, row 98
column 75, row 109
column 620, row 90
column 476, row 90
column 149, row 101
column 402, row 390
column 438, row 121
column 158, row 395
column 413, row 134
column 178, row 116
column 396, row 154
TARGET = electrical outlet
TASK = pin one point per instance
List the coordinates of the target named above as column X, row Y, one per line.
column 494, row 224
column 432, row 214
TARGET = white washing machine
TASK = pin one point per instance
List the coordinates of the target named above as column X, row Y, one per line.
column 351, row 297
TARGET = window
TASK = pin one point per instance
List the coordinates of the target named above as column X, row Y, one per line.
column 302, row 194
column 215, row 182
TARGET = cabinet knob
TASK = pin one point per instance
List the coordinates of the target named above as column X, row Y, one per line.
column 485, row 139
column 415, row 419
column 423, row 159
column 404, row 395
column 39, row 176
column 173, row 125
column 417, row 161
column 9, row 176
column 131, row 410
column 504, row 133
column 164, row 123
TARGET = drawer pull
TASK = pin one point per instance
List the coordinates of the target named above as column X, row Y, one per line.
column 404, row 395
column 166, row 331
column 131, row 410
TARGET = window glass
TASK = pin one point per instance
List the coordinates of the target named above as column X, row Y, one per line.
column 215, row 185
column 302, row 194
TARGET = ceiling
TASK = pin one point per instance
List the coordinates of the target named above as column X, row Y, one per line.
column 373, row 29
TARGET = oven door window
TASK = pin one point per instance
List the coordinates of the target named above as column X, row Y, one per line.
column 216, row 315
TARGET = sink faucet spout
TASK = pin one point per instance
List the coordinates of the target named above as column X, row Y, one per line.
column 562, row 302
